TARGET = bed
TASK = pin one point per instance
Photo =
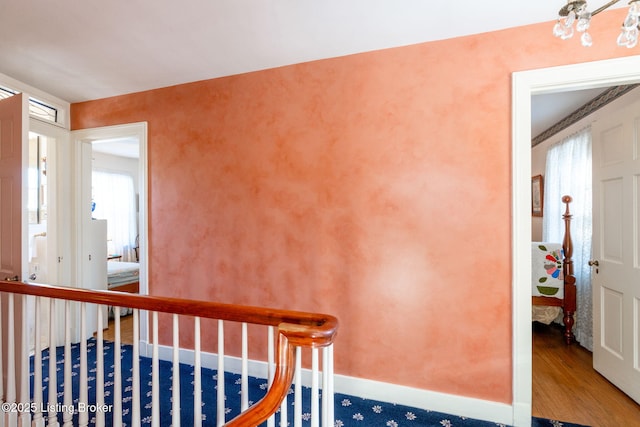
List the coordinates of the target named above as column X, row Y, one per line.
column 123, row 276
column 553, row 287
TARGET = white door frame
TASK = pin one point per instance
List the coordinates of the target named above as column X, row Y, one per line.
column 524, row 84
column 139, row 131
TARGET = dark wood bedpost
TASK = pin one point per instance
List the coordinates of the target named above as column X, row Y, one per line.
column 570, row 294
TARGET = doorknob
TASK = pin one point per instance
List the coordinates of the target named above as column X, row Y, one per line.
column 12, row 279
column 594, row 262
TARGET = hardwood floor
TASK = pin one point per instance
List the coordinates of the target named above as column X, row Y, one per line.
column 126, row 330
column 567, row 388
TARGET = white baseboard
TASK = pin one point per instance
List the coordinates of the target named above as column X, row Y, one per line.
column 425, row 399
column 232, row 364
column 364, row 388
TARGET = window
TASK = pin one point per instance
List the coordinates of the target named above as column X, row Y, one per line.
column 114, row 200
column 37, row 109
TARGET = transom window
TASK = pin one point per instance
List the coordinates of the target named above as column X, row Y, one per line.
column 37, row 108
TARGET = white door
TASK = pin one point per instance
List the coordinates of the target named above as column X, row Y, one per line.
column 12, row 123
column 13, row 148
column 616, row 248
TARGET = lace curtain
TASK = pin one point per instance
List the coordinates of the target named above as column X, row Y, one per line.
column 568, row 171
column 114, row 198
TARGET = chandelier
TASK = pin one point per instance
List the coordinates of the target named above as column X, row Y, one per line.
column 575, row 12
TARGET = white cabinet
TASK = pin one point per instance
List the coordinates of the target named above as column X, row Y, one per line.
column 94, row 273
column 95, row 262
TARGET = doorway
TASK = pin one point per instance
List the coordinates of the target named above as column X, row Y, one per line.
column 46, row 216
column 120, row 150
column 47, row 212
column 108, row 149
column 525, row 84
column 38, row 201
column 618, row 113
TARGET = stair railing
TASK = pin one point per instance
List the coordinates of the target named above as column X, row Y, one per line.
column 289, row 332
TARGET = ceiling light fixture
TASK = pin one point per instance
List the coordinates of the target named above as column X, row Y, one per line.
column 575, row 12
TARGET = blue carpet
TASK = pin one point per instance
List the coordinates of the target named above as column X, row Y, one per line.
column 349, row 411
column 353, row 411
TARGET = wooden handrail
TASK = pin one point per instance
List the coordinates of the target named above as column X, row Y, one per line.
column 302, row 328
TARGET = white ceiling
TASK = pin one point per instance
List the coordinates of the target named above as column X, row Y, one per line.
column 548, row 109
column 123, row 147
column 82, row 50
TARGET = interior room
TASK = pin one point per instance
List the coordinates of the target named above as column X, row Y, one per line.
column 115, row 198
column 563, row 156
column 358, row 159
column 37, row 207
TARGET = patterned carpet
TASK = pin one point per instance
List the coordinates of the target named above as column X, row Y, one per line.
column 349, row 411
column 352, row 411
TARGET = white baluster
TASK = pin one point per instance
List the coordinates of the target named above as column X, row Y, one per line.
column 283, row 412
column 271, row 422
column 315, row 395
column 117, row 370
column 100, row 368
column 155, row 376
column 24, row 415
column 38, row 420
column 135, row 404
column 325, row 386
column 52, row 385
column 297, row 396
column 328, row 390
column 220, row 395
column 11, row 417
column 67, row 413
column 175, row 399
column 197, row 376
column 244, row 376
column 83, row 394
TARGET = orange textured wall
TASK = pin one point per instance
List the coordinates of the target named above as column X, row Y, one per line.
column 375, row 187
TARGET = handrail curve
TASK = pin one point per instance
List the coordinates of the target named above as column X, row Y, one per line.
column 282, row 380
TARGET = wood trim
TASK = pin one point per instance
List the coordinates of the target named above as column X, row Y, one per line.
column 550, row 301
column 132, row 288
